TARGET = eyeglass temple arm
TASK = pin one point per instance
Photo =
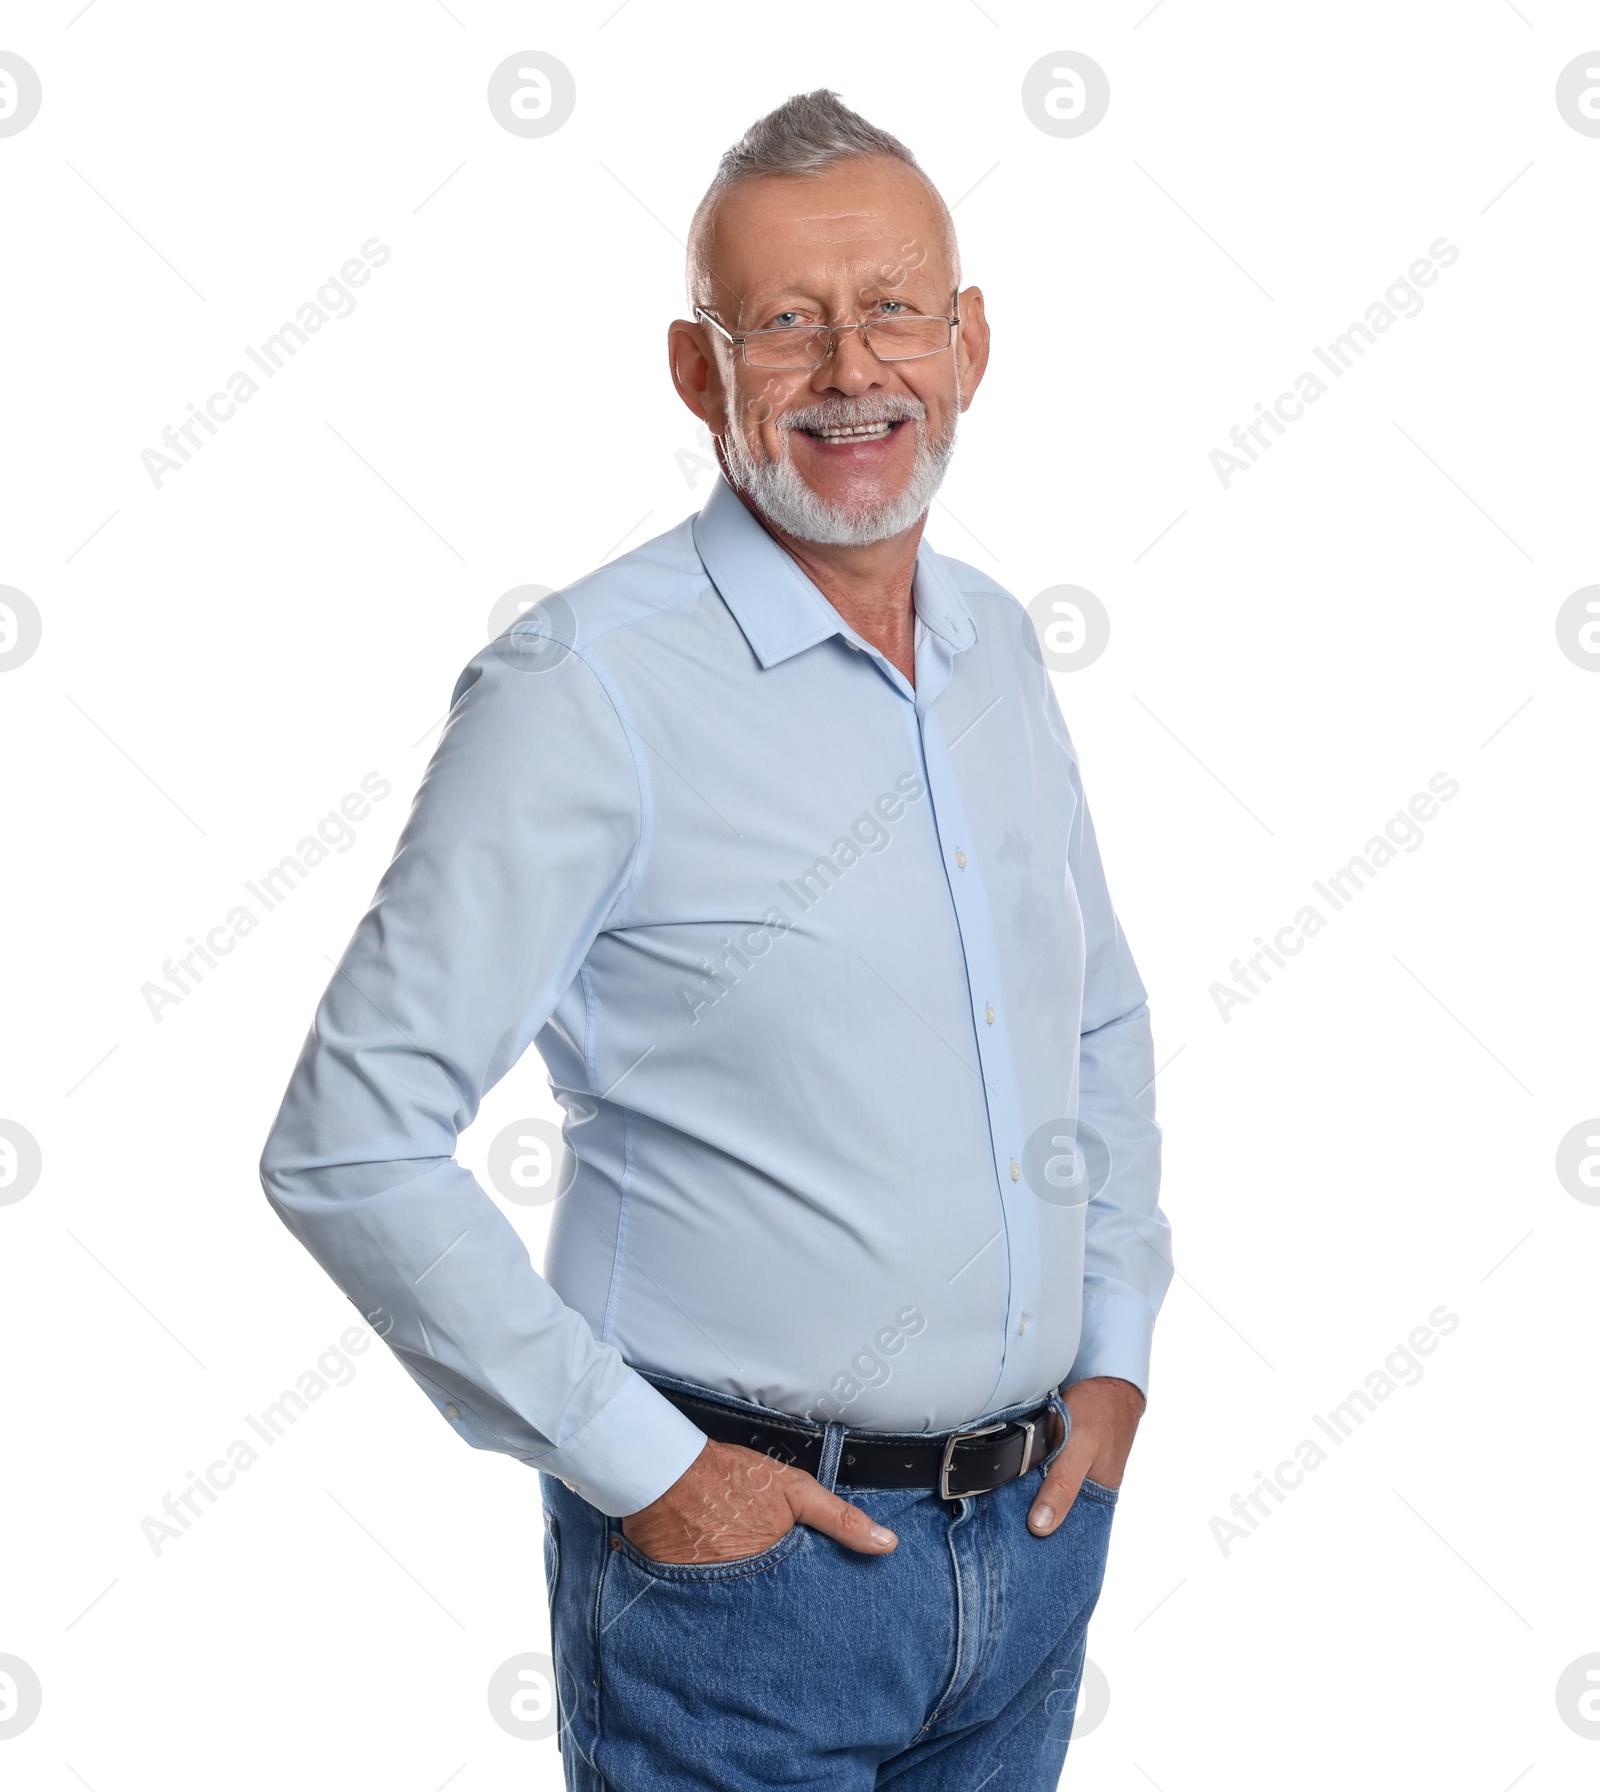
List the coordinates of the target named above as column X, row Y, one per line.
column 716, row 323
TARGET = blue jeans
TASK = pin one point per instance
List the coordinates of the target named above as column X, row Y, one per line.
column 953, row 1663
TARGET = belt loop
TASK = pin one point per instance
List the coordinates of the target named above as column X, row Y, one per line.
column 832, row 1453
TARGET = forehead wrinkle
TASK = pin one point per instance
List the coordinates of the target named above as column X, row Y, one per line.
column 844, row 258
column 833, row 270
column 866, row 221
column 879, row 238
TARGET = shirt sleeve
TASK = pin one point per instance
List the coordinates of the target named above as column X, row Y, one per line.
column 521, row 842
column 1127, row 1253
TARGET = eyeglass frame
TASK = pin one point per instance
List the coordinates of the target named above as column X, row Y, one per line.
column 953, row 320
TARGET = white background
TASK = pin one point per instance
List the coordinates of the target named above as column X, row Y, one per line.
column 1372, row 1136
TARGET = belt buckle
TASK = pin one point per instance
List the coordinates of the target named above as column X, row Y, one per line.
column 947, row 1460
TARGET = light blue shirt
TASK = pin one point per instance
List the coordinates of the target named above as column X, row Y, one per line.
column 819, row 966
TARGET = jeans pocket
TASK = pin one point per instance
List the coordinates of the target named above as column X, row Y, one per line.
column 1107, row 1496
column 736, row 1569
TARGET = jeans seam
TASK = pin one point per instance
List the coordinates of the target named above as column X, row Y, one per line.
column 968, row 1514
column 983, row 1517
column 592, row 1693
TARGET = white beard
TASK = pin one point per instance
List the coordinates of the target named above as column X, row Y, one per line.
column 788, row 503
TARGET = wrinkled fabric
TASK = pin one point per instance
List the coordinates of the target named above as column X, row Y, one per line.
column 814, row 961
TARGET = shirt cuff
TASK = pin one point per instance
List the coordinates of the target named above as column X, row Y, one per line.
column 1117, row 1329
column 629, row 1453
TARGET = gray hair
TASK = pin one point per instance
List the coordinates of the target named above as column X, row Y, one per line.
column 806, row 134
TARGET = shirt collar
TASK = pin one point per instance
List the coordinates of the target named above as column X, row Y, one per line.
column 780, row 610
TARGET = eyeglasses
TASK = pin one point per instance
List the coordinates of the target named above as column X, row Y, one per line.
column 809, row 345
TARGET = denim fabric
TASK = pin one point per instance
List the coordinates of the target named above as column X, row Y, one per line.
column 951, row 1664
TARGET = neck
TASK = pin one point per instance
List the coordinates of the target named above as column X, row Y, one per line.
column 869, row 586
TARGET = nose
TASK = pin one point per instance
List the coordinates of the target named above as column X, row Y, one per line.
column 851, row 368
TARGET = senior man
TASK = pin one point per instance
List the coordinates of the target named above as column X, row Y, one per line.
column 771, row 837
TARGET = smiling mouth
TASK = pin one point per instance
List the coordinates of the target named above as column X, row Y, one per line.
column 855, row 432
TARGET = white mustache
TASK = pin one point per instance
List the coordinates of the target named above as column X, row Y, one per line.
column 883, row 410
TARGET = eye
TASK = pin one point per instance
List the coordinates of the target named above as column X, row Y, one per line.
column 888, row 307
column 785, row 320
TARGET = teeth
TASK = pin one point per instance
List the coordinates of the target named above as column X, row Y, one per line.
column 855, row 433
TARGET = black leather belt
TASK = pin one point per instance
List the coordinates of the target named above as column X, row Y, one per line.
column 954, row 1464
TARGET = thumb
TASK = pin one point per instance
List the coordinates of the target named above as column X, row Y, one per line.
column 1060, row 1488
column 813, row 1505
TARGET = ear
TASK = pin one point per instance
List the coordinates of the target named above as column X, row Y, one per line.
column 695, row 373
column 972, row 342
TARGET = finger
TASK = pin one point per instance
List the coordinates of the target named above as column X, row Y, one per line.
column 812, row 1504
column 1060, row 1487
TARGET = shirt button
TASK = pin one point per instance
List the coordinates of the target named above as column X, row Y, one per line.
column 961, row 860
column 1022, row 1325
column 988, row 1012
column 452, row 1412
column 1016, row 1170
